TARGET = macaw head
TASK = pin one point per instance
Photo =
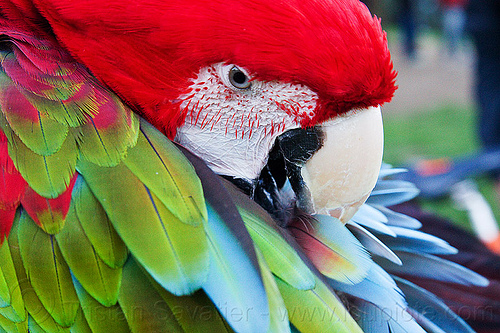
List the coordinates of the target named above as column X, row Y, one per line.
column 268, row 93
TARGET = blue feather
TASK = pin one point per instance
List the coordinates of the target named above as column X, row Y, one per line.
column 234, row 283
column 372, row 219
column 372, row 243
column 431, row 307
column 432, row 267
column 377, row 288
column 398, row 219
column 392, row 192
column 415, row 241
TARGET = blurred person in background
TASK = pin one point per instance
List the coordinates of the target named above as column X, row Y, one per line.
column 483, row 25
column 407, row 23
column 453, row 21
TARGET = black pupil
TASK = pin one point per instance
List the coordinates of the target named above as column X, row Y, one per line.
column 239, row 77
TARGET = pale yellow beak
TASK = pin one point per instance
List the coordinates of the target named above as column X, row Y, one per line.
column 341, row 175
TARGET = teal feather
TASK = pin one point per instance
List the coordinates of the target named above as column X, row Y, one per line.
column 392, row 192
column 398, row 219
column 415, row 241
column 389, row 320
column 372, row 243
column 377, row 288
column 231, row 275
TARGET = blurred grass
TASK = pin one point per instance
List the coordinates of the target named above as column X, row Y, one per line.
column 447, row 131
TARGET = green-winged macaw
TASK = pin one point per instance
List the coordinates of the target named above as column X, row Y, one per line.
column 196, row 166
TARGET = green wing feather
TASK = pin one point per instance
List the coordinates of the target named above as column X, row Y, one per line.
column 316, row 310
column 40, row 133
column 98, row 279
column 8, row 272
column 32, row 303
column 16, row 311
column 4, row 287
column 152, row 233
column 144, row 308
column 100, row 232
column 9, row 326
column 101, row 319
column 195, row 313
column 47, row 272
column 81, row 325
column 278, row 321
column 168, row 175
column 50, row 175
column 105, row 139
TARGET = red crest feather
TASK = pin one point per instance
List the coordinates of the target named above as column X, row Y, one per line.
column 147, row 51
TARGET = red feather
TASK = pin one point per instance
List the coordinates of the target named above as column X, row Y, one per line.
column 49, row 214
column 149, row 56
column 12, row 187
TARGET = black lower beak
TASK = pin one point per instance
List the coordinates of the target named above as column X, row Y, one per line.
column 280, row 188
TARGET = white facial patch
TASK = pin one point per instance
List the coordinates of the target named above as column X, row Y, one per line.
column 234, row 128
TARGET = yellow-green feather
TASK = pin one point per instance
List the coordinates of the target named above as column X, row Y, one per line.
column 81, row 325
column 167, row 174
column 100, row 232
column 101, row 319
column 10, row 278
column 98, row 279
column 144, row 308
column 4, row 287
column 107, row 145
column 47, row 272
column 316, row 310
column 32, row 303
column 156, row 238
column 278, row 319
column 50, row 175
column 195, row 313
column 9, row 326
column 16, row 311
column 45, row 326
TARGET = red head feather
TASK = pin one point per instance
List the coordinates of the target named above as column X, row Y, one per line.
column 148, row 51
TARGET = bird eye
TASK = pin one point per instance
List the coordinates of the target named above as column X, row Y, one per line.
column 238, row 78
